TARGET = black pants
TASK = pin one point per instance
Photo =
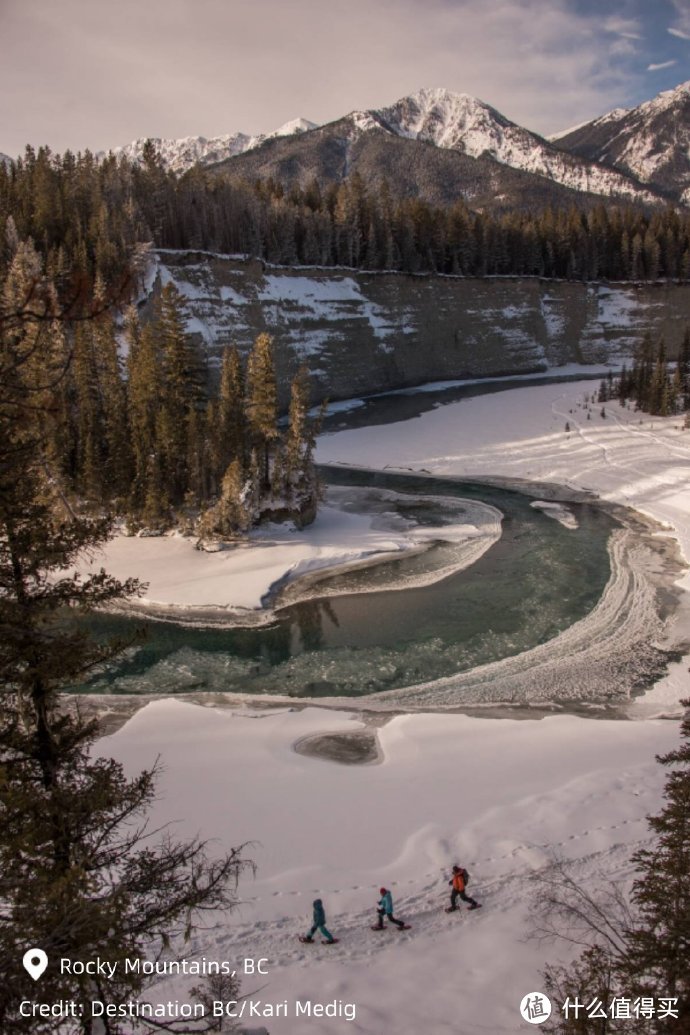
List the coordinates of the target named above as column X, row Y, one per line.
column 382, row 913
column 455, row 895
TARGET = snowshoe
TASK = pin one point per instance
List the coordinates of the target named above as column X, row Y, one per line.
column 333, row 941
column 405, row 927
column 306, row 941
column 451, row 909
column 377, row 927
column 477, row 905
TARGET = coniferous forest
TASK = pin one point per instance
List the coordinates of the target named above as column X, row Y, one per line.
column 654, row 385
column 143, row 427
column 87, row 217
column 149, row 436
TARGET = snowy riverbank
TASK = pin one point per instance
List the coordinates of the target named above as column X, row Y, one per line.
column 624, row 457
column 500, row 796
column 240, row 585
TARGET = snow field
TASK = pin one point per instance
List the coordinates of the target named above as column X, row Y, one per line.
column 238, row 579
column 495, row 795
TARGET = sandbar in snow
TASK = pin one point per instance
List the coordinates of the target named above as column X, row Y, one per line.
column 239, row 579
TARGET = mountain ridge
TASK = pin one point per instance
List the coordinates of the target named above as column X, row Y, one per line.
column 465, row 123
column 180, row 153
column 441, row 147
column 444, row 146
column 650, row 142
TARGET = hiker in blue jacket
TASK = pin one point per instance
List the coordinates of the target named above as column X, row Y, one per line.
column 319, row 923
column 385, row 908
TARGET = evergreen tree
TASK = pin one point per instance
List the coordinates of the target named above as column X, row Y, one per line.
column 197, row 459
column 684, row 370
column 262, row 402
column 659, row 947
column 89, row 416
column 643, row 372
column 182, row 389
column 229, row 421
column 297, row 441
column 230, row 514
column 658, row 400
column 623, row 386
column 646, row 951
column 144, row 404
column 117, row 457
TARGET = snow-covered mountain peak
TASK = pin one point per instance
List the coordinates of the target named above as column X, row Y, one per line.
column 299, row 125
column 651, row 141
column 454, row 120
column 182, row 153
column 667, row 98
column 445, row 104
column 460, row 122
column 668, row 101
column 365, row 120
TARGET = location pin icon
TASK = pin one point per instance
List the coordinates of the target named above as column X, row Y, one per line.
column 35, row 961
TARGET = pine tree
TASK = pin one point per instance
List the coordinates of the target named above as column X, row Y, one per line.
column 182, row 388
column 684, row 370
column 143, row 402
column 89, row 415
column 297, row 440
column 645, row 951
column 262, row 403
column 230, row 514
column 197, row 459
column 659, row 949
column 230, row 422
column 623, row 388
column 643, row 371
column 658, row 389
column 117, row 457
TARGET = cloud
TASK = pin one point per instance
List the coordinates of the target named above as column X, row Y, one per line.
column 251, row 65
column 681, row 26
column 622, row 47
column 664, row 64
column 629, row 28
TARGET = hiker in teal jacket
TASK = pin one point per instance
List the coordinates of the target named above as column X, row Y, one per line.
column 385, row 908
column 319, row 923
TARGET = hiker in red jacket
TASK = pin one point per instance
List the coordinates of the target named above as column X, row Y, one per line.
column 459, row 883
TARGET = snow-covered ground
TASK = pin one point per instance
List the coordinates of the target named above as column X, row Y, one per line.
column 625, row 457
column 188, row 582
column 495, row 795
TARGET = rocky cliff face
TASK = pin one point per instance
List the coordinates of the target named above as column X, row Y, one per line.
column 361, row 333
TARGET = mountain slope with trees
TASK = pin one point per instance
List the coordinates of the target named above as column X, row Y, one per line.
column 91, row 219
column 416, row 167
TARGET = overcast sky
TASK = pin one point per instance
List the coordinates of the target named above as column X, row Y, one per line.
column 98, row 73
